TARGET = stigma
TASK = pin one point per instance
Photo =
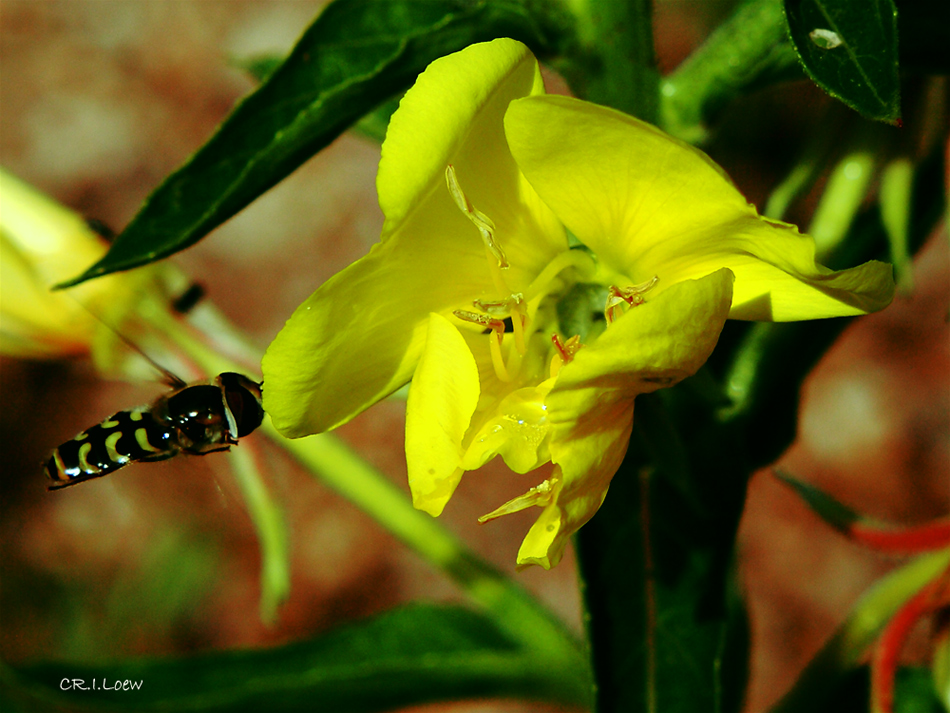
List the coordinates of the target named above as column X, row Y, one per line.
column 631, row 296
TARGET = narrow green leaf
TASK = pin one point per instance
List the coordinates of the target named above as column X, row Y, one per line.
column 836, row 514
column 405, row 657
column 372, row 126
column 849, row 49
column 356, row 55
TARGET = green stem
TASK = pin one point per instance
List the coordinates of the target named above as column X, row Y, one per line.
column 815, row 154
column 897, row 181
column 613, row 61
column 271, row 532
column 847, row 187
column 749, row 50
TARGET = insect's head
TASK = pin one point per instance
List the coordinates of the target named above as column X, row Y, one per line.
column 243, row 397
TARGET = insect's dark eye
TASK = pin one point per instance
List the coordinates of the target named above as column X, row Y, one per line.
column 244, row 400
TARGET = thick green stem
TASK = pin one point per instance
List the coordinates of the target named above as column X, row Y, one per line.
column 748, row 50
column 613, row 62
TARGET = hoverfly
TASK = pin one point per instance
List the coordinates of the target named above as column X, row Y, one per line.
column 197, row 418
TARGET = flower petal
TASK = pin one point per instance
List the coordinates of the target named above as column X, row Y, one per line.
column 651, row 205
column 442, row 398
column 454, row 115
column 652, row 346
column 517, row 431
column 358, row 338
column 42, row 243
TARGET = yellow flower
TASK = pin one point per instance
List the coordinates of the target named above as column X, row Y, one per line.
column 41, row 244
column 506, row 210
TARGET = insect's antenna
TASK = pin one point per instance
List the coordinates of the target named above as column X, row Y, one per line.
column 173, row 379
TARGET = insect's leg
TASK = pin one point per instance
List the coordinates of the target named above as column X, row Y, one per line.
column 213, row 450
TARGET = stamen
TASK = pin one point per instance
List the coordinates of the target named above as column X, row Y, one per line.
column 500, row 307
column 518, row 323
column 632, row 295
column 494, row 340
column 569, row 348
column 481, row 221
column 539, row 495
column 565, row 352
column 497, row 362
column 496, row 325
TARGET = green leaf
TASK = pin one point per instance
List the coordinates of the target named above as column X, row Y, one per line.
column 355, row 56
column 405, row 657
column 849, row 49
column 372, row 126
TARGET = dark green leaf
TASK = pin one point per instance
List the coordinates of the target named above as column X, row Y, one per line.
column 355, row 56
column 260, row 67
column 849, row 48
column 373, row 125
column 405, row 657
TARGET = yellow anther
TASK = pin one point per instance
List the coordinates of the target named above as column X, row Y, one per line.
column 481, row 221
column 497, row 326
column 499, row 307
column 485, row 320
column 540, row 495
column 631, row 295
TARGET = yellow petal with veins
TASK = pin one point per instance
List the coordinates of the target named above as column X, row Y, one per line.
column 650, row 205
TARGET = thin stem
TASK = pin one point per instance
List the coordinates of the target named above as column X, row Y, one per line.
column 271, row 531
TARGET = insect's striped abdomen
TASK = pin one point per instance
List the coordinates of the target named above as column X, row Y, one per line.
column 123, row 438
